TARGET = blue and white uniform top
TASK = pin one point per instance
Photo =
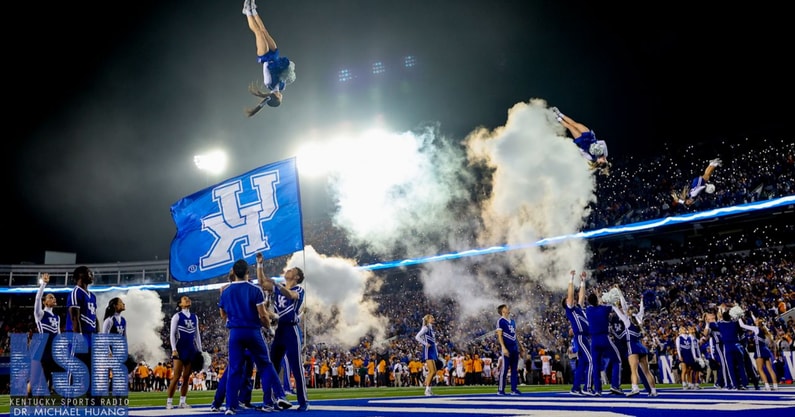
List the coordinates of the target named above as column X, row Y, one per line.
column 115, row 324
column 86, row 302
column 273, row 66
column 289, row 310
column 685, row 348
column 697, row 186
column 758, row 342
column 508, row 328
column 591, row 148
column 185, row 334
column 46, row 320
column 427, row 339
column 578, row 320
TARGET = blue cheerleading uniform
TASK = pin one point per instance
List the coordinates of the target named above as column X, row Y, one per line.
column 185, row 335
column 511, row 363
column 49, row 325
column 584, row 143
column 583, row 372
column 272, row 67
column 427, row 339
column 288, row 339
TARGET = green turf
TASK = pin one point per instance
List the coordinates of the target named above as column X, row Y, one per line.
column 154, row 399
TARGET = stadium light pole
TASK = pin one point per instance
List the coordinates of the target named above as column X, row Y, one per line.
column 212, row 163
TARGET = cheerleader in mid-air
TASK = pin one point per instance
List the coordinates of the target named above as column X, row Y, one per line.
column 278, row 71
column 697, row 185
column 593, row 150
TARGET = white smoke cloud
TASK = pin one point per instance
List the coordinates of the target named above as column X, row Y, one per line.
column 144, row 317
column 335, row 285
column 418, row 194
column 393, row 190
column 541, row 189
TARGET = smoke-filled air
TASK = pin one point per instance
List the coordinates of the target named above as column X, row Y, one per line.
column 144, row 317
column 415, row 194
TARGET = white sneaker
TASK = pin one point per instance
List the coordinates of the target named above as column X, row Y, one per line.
column 249, row 8
column 634, row 392
column 184, row 405
column 169, row 406
column 428, row 392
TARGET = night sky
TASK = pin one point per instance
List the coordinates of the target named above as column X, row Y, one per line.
column 110, row 101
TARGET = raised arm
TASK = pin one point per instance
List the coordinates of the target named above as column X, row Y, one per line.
column 748, row 326
column 264, row 282
column 623, row 301
column 38, row 311
column 621, row 315
column 639, row 316
column 581, row 297
column 570, row 291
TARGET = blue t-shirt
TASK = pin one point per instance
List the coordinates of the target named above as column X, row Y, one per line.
column 240, row 300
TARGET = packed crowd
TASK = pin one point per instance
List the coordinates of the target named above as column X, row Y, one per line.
column 675, row 295
column 640, row 190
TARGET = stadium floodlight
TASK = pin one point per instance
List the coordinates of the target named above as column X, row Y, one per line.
column 378, row 68
column 345, row 75
column 409, row 61
column 213, row 162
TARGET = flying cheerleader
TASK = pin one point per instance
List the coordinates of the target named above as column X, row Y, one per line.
column 593, row 150
column 697, row 185
column 278, row 71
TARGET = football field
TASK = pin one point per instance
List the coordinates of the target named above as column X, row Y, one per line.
column 483, row 401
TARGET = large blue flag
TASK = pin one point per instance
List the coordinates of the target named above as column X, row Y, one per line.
column 259, row 211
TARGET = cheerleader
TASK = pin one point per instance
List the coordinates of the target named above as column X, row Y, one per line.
column 699, row 362
column 716, row 349
column 697, row 185
column 581, row 341
column 684, row 352
column 593, row 150
column 733, row 351
column 277, row 71
column 637, row 353
column 764, row 354
column 427, row 338
column 49, row 325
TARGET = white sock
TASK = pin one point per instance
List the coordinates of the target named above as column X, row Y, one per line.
column 182, row 400
column 170, row 401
